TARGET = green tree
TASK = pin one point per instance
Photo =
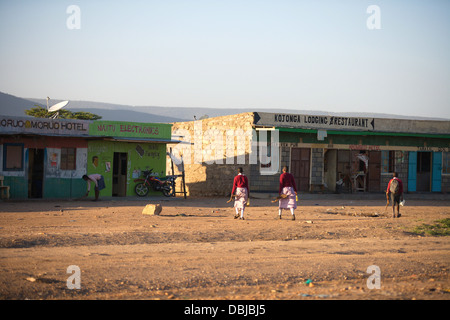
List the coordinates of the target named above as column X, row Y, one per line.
column 81, row 115
column 40, row 112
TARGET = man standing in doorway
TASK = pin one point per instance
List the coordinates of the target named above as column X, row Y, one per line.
column 99, row 183
column 288, row 188
column 395, row 188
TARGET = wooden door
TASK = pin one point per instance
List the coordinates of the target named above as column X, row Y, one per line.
column 436, row 174
column 343, row 169
column 36, row 172
column 374, row 172
column 300, row 167
column 119, row 185
column 424, row 171
column 412, row 171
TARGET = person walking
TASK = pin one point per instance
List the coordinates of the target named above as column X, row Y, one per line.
column 288, row 188
column 395, row 191
column 241, row 193
column 99, row 182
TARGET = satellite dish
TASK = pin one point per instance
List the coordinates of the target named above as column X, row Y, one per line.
column 58, row 106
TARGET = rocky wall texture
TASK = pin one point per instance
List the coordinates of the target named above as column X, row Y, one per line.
column 214, row 149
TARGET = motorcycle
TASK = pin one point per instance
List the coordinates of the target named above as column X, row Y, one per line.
column 165, row 185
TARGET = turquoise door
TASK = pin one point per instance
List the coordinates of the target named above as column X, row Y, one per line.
column 436, row 177
column 412, row 171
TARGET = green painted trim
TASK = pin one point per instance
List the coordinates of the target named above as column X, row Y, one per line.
column 297, row 130
column 367, row 133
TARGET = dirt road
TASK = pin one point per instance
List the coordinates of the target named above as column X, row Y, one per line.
column 196, row 250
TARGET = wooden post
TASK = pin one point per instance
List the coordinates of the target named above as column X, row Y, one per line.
column 184, row 184
column 182, row 176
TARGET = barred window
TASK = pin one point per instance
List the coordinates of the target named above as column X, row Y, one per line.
column 445, row 162
column 387, row 161
column 68, row 158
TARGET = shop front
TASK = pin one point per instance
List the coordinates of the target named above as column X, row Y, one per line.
column 325, row 153
column 47, row 158
column 121, row 151
column 349, row 154
column 43, row 158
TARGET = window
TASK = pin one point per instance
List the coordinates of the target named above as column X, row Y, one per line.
column 13, row 157
column 446, row 162
column 387, row 161
column 68, row 158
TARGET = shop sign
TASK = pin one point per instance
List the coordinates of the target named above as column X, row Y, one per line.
column 312, row 121
column 20, row 125
column 130, row 129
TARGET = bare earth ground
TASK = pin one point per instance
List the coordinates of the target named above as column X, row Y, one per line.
column 196, row 250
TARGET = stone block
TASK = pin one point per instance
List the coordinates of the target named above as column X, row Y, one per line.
column 152, row 210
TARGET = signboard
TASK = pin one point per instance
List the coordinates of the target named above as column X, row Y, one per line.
column 130, row 129
column 325, row 122
column 345, row 123
column 84, row 128
column 42, row 126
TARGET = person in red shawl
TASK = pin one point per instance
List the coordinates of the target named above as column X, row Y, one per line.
column 288, row 188
column 241, row 192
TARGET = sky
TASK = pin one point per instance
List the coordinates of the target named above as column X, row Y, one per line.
column 334, row 56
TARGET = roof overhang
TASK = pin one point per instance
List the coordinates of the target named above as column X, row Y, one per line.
column 365, row 133
column 140, row 140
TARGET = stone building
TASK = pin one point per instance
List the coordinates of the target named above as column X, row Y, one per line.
column 325, row 153
column 208, row 163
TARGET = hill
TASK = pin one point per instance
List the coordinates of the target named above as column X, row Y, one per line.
column 14, row 106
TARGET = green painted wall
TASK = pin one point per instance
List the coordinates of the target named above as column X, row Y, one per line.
column 53, row 187
column 140, row 156
column 18, row 187
column 64, row 188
